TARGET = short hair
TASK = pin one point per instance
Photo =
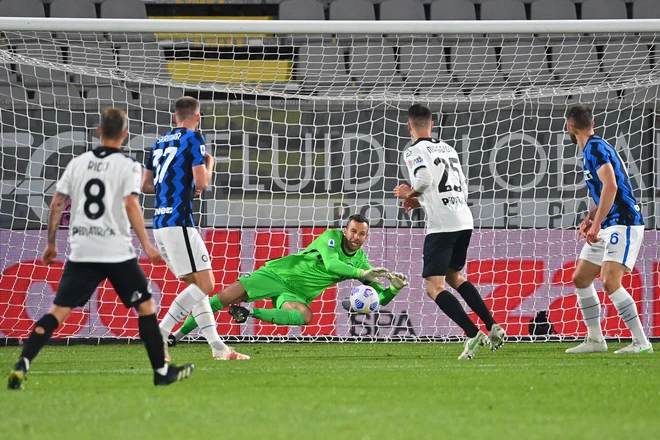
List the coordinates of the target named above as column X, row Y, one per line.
column 186, row 107
column 113, row 123
column 419, row 115
column 358, row 218
column 580, row 115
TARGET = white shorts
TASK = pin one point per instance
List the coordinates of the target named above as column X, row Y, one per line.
column 183, row 249
column 616, row 243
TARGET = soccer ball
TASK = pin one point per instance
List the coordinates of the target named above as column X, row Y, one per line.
column 364, row 299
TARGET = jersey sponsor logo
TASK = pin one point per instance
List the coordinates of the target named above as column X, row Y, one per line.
column 415, row 161
column 331, row 243
column 454, row 201
column 170, row 137
column 136, row 297
column 163, row 211
column 92, row 231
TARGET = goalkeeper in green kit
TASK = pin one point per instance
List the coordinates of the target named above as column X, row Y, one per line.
column 294, row 281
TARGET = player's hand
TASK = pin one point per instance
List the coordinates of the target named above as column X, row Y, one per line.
column 153, row 254
column 197, row 192
column 209, row 160
column 410, row 204
column 398, row 280
column 49, row 254
column 402, row 191
column 374, row 275
column 584, row 228
column 592, row 234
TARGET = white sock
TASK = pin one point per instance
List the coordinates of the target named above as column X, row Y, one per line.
column 182, row 305
column 627, row 309
column 162, row 370
column 590, row 307
column 203, row 314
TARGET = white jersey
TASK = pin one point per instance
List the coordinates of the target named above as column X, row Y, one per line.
column 97, row 183
column 445, row 201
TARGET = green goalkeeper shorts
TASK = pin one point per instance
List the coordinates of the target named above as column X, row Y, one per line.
column 264, row 284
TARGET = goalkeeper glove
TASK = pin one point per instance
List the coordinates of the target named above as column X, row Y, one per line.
column 398, row 280
column 374, row 274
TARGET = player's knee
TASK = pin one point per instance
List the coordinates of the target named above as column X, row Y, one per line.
column 610, row 285
column 434, row 291
column 580, row 281
column 307, row 316
column 146, row 308
column 454, row 279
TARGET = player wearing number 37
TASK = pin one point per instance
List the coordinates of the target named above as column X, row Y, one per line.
column 440, row 187
column 613, row 230
column 103, row 185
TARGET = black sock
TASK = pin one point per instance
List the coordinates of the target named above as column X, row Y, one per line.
column 36, row 341
column 153, row 340
column 472, row 298
column 452, row 308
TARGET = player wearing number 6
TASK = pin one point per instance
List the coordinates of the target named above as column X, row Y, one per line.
column 440, row 187
column 614, row 229
column 178, row 169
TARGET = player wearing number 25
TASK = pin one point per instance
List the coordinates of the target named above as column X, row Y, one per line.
column 614, row 229
column 440, row 187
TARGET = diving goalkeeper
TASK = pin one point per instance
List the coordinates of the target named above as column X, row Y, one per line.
column 294, row 281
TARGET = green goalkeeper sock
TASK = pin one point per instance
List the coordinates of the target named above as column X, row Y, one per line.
column 279, row 316
column 190, row 324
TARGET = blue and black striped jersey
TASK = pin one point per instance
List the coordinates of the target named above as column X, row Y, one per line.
column 172, row 159
column 625, row 210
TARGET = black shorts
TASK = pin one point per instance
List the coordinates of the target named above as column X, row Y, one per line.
column 445, row 250
column 80, row 280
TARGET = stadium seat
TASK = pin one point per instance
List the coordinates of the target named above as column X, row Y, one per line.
column 72, row 9
column 143, row 60
column 301, row 10
column 12, row 95
column 474, row 66
column 22, row 8
column 424, row 66
column 322, row 68
column 625, row 59
column 55, row 94
column 553, row 10
column 575, row 65
column 524, row 63
column 93, row 55
column 372, row 64
column 32, row 76
column 352, row 10
column 604, row 10
column 503, row 10
column 7, row 76
column 123, row 9
column 402, row 10
column 159, row 96
column 646, row 9
column 453, row 10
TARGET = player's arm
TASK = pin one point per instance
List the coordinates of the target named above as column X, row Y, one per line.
column 420, row 176
column 54, row 218
column 131, row 191
column 607, row 194
column 203, row 163
column 327, row 248
column 148, row 185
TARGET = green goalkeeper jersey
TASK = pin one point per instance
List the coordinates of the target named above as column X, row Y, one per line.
column 322, row 264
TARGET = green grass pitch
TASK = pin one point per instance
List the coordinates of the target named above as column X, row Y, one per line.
column 336, row 391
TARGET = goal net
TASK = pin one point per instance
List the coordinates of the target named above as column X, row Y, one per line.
column 307, row 122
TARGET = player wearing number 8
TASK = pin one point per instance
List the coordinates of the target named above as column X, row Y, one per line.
column 613, row 229
column 440, row 187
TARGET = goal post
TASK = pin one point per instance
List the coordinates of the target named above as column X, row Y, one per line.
column 307, row 122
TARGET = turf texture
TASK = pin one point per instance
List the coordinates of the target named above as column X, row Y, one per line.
column 336, row 391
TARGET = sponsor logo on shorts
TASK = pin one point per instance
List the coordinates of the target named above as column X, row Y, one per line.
column 136, row 296
column 205, row 258
column 165, row 210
